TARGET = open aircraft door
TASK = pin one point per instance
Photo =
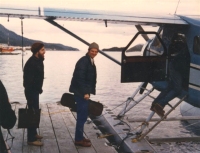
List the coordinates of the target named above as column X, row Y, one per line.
column 144, row 68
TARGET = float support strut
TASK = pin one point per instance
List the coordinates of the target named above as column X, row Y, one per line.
column 147, row 132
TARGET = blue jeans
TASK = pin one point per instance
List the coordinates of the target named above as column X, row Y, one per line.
column 159, row 85
column 173, row 89
column 33, row 102
column 82, row 114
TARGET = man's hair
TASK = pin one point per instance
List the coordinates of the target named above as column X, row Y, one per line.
column 36, row 47
column 93, row 45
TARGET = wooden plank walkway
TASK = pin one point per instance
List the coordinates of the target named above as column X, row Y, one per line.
column 57, row 126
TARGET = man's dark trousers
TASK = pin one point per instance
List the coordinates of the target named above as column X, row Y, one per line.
column 82, row 114
column 33, row 103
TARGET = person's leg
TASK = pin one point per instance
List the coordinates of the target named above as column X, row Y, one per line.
column 34, row 104
column 176, row 88
column 156, row 104
column 159, row 85
column 82, row 114
column 162, row 94
column 162, row 99
column 177, row 82
column 173, row 90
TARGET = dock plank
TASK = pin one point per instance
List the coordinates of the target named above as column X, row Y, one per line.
column 17, row 133
column 29, row 148
column 57, row 126
column 21, row 137
column 98, row 144
column 71, row 124
column 22, row 134
column 63, row 137
column 49, row 139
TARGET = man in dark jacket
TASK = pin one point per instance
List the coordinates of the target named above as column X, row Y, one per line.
column 7, row 116
column 178, row 73
column 82, row 85
column 33, row 81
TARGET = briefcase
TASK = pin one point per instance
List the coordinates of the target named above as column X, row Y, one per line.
column 28, row 118
column 94, row 108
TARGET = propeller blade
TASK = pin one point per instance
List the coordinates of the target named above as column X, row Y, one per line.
column 139, row 28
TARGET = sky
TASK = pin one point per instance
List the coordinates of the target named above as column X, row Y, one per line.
column 113, row 35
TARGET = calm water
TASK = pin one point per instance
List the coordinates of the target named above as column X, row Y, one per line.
column 59, row 68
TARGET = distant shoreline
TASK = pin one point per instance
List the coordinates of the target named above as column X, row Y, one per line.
column 112, row 50
column 50, row 50
column 137, row 47
column 15, row 41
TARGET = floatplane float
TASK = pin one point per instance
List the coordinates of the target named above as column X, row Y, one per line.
column 155, row 44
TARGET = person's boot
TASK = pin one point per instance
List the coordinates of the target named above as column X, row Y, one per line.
column 152, row 106
column 87, row 140
column 38, row 136
column 35, row 143
column 158, row 109
column 82, row 143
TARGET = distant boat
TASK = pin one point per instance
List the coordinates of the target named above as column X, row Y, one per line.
column 5, row 48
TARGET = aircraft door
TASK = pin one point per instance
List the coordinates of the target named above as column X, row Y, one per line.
column 144, row 68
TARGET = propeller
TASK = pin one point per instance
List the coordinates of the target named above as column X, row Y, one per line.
column 139, row 28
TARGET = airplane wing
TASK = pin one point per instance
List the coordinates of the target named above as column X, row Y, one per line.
column 93, row 16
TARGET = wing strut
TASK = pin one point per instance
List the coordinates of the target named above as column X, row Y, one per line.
column 50, row 20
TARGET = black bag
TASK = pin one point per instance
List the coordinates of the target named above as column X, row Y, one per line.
column 28, row 118
column 68, row 100
column 7, row 115
column 95, row 108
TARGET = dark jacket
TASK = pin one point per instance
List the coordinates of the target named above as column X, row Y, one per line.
column 84, row 77
column 33, row 75
column 181, row 62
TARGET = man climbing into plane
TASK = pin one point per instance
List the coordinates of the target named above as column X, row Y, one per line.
column 178, row 73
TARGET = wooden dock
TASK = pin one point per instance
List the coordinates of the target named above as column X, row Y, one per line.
column 57, row 126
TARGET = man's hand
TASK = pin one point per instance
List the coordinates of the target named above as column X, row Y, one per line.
column 86, row 96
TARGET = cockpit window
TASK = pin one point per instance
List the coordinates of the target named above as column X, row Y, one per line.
column 196, row 45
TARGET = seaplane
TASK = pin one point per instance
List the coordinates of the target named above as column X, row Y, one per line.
column 151, row 65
